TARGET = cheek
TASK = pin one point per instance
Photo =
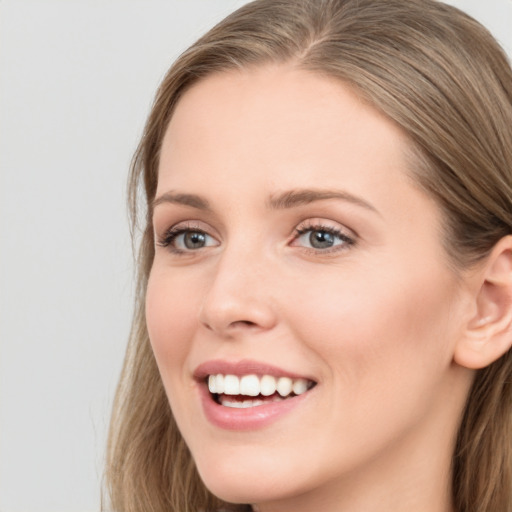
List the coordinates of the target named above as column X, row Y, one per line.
column 171, row 329
column 167, row 310
column 380, row 327
column 385, row 348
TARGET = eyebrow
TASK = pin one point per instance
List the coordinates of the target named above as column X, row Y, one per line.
column 192, row 200
column 284, row 200
column 299, row 197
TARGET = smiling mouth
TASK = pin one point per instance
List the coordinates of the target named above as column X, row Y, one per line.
column 253, row 391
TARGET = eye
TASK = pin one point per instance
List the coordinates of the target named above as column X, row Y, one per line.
column 183, row 239
column 322, row 238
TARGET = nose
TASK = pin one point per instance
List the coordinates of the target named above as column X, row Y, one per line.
column 238, row 299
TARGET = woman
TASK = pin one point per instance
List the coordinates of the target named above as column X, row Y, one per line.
column 325, row 275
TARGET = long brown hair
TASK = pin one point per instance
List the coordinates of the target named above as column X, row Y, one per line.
column 442, row 78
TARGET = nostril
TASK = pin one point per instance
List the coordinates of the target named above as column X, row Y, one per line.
column 238, row 324
column 243, row 323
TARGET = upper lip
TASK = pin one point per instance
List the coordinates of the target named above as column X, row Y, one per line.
column 243, row 367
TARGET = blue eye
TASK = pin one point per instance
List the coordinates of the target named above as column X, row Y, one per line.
column 187, row 240
column 322, row 238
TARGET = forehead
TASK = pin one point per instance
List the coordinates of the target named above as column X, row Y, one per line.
column 276, row 117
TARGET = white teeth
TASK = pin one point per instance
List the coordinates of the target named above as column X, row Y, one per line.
column 284, row 386
column 219, row 383
column 212, row 383
column 300, row 386
column 231, row 385
column 226, row 402
column 267, row 385
column 216, row 383
column 252, row 385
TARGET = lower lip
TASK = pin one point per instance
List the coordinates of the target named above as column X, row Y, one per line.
column 249, row 418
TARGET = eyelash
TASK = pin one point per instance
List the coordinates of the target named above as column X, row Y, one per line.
column 348, row 241
column 173, row 233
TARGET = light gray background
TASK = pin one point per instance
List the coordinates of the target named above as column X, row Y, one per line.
column 76, row 82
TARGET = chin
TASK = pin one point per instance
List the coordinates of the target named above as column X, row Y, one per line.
column 237, row 480
column 247, row 492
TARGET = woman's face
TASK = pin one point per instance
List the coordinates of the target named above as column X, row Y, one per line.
column 291, row 243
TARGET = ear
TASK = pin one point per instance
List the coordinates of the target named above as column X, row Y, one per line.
column 488, row 334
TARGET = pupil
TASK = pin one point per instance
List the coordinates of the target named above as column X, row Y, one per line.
column 194, row 240
column 321, row 239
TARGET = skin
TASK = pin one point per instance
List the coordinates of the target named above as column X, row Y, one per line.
column 375, row 322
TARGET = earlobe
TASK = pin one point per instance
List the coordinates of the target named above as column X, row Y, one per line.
column 489, row 332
